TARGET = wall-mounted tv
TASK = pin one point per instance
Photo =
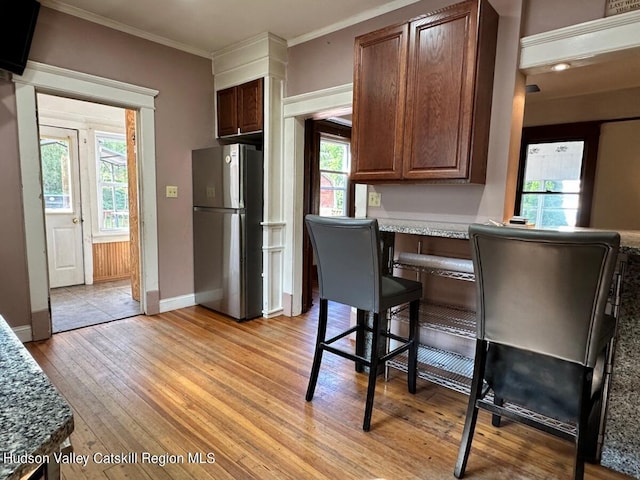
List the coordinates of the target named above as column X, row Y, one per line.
column 17, row 24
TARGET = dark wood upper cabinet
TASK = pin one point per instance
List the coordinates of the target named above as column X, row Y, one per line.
column 240, row 109
column 378, row 103
column 422, row 97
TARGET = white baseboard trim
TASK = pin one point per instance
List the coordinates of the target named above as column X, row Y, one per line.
column 273, row 313
column 175, row 303
column 23, row 332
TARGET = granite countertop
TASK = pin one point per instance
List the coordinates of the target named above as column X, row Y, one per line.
column 629, row 239
column 34, row 418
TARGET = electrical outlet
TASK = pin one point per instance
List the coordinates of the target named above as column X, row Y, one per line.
column 172, row 191
column 374, row 199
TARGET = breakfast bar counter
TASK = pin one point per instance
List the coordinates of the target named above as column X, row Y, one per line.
column 35, row 420
column 621, row 442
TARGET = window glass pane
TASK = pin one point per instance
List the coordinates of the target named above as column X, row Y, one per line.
column 120, row 173
column 550, row 210
column 332, row 203
column 56, row 174
column 553, row 167
column 107, row 198
column 335, row 180
column 334, row 155
column 106, row 172
column 121, row 200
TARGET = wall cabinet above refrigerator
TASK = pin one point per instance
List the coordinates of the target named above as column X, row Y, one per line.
column 240, row 109
column 422, row 97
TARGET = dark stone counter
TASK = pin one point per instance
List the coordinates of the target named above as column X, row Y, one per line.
column 34, row 418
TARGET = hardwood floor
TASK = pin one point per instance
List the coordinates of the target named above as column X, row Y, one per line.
column 191, row 381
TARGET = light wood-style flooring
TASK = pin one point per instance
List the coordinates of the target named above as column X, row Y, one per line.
column 194, row 382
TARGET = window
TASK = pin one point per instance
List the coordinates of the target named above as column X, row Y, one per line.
column 557, row 169
column 56, row 174
column 335, row 164
column 112, row 183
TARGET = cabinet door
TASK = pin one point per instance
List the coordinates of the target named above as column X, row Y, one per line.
column 227, row 112
column 448, row 106
column 439, row 95
column 379, row 104
column 250, row 106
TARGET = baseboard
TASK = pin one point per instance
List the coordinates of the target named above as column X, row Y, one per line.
column 23, row 332
column 175, row 303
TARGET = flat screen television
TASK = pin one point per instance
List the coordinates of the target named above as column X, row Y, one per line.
column 17, row 24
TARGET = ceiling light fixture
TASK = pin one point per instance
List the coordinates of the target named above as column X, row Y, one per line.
column 558, row 67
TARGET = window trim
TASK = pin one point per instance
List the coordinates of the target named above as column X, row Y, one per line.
column 589, row 132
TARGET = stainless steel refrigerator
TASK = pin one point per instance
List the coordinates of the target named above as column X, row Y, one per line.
column 227, row 231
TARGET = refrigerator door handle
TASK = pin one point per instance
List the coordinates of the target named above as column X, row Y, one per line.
column 226, row 211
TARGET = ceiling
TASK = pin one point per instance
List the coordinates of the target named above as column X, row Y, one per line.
column 618, row 72
column 205, row 26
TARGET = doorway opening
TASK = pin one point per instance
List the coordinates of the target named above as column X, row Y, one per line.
column 328, row 190
column 89, row 180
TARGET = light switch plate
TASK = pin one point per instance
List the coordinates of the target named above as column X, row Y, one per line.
column 374, row 199
column 172, row 191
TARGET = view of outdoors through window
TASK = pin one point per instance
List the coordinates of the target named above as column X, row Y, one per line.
column 335, row 159
column 56, row 174
column 113, row 210
column 551, row 187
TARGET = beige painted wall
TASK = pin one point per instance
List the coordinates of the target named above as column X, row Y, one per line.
column 544, row 15
column 183, row 121
column 616, row 201
column 598, row 106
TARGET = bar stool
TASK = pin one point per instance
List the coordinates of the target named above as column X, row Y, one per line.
column 542, row 331
column 347, row 253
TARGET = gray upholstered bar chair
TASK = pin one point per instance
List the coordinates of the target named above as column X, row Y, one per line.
column 347, row 253
column 542, row 331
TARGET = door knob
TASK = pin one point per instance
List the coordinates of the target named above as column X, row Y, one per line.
column 76, row 220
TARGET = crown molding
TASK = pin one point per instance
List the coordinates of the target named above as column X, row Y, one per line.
column 106, row 22
column 349, row 21
column 580, row 43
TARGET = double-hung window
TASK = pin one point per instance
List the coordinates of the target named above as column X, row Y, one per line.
column 557, row 174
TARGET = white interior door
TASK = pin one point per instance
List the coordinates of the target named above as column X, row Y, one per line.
column 63, row 216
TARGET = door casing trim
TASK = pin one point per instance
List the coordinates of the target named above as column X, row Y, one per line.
column 67, row 83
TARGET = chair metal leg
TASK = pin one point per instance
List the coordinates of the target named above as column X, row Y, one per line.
column 472, row 409
column 495, row 419
column 360, row 338
column 373, row 372
column 582, row 434
column 317, row 357
column 412, row 370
